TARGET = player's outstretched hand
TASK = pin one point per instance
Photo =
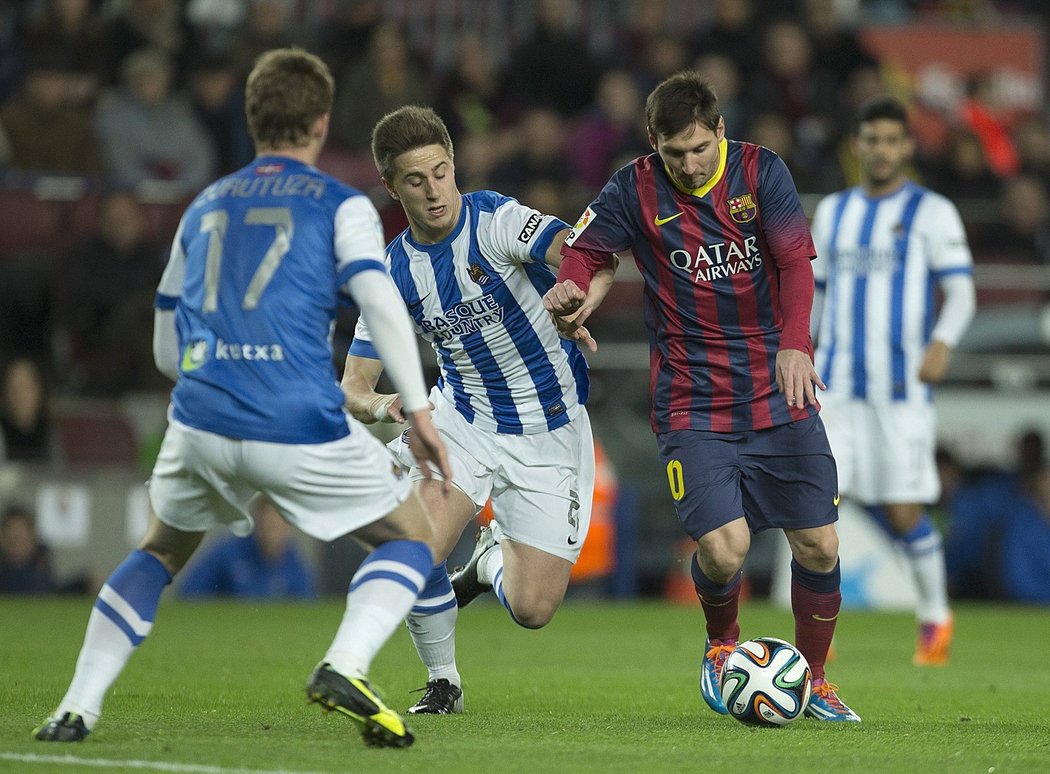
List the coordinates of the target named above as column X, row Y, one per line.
column 428, row 449
column 796, row 377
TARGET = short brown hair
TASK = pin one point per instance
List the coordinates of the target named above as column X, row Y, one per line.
column 288, row 89
column 882, row 107
column 405, row 129
column 680, row 101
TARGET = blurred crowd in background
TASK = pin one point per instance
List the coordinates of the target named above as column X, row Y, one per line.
column 114, row 113
column 141, row 102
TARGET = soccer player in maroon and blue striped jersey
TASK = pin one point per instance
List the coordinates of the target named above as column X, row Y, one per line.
column 718, row 232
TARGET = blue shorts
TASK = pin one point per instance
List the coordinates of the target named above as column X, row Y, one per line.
column 783, row 477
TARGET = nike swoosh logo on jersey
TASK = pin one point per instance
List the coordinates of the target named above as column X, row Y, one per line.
column 660, row 221
column 816, row 617
column 835, row 502
column 573, row 542
column 417, row 304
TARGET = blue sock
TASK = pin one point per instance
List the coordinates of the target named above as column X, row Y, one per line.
column 407, row 562
column 437, row 595
column 382, row 592
column 131, row 594
column 923, row 538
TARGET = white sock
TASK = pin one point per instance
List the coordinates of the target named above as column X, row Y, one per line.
column 926, row 557
column 435, row 639
column 490, row 563
column 105, row 652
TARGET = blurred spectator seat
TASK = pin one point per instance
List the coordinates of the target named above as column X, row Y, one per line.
column 95, row 434
column 356, row 169
column 162, row 219
column 26, row 302
column 31, row 225
column 1009, row 280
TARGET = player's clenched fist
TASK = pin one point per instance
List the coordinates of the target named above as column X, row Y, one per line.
column 563, row 298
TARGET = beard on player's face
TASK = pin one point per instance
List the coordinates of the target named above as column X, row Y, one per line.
column 879, row 172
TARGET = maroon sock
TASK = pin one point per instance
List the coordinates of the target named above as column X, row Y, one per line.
column 721, row 603
column 815, row 601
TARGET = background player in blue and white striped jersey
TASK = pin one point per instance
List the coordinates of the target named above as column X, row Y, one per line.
column 248, row 299
column 472, row 269
column 882, row 249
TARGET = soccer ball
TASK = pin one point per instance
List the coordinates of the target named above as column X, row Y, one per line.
column 766, row 682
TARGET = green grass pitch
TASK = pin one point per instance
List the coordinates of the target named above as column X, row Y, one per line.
column 218, row 687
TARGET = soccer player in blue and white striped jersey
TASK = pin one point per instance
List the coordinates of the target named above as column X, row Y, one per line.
column 883, row 248
column 244, row 314
column 509, row 403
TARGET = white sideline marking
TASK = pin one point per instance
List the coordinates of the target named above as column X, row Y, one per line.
column 104, row 763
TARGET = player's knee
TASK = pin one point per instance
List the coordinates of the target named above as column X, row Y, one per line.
column 721, row 562
column 720, row 554
column 533, row 619
column 534, row 612
column 722, row 569
column 816, row 548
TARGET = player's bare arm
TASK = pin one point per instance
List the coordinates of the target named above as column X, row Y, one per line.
column 570, row 326
column 796, row 377
column 360, row 376
column 957, row 310
column 934, row 362
column 429, row 450
column 566, row 298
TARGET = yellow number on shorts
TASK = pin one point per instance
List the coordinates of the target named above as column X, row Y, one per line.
column 676, row 479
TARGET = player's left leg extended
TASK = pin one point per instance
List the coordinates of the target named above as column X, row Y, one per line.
column 910, row 524
column 120, row 621
column 815, row 603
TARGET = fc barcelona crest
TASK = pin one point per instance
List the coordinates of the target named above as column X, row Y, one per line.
column 477, row 273
column 742, row 208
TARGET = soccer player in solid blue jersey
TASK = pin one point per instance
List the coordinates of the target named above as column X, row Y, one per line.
column 243, row 316
column 881, row 343
column 509, row 403
column 718, row 232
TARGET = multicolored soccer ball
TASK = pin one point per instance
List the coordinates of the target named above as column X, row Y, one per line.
column 766, row 682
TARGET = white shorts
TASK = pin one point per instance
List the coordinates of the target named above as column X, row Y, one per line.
column 541, row 485
column 326, row 490
column 885, row 453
